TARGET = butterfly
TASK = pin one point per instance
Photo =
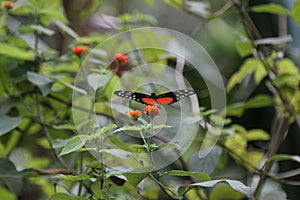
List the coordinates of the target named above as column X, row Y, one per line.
column 153, row 99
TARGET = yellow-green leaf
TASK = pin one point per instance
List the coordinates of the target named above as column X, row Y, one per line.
column 271, row 8
column 250, row 66
column 15, row 52
column 257, row 134
column 296, row 11
column 244, row 48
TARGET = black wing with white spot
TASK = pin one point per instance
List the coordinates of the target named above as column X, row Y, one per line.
column 174, row 96
column 165, row 98
column 183, row 93
column 136, row 96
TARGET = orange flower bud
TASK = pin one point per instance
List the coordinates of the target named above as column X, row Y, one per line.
column 152, row 111
column 78, row 50
column 134, row 114
column 8, row 4
column 121, row 58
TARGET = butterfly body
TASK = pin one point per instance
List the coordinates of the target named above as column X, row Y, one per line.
column 153, row 99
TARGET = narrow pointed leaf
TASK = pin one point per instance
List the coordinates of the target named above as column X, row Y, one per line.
column 8, row 123
column 236, row 185
column 42, row 82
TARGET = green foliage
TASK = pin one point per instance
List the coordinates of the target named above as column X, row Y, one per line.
column 198, row 175
column 296, row 11
column 42, row 82
column 8, row 123
column 63, row 196
column 244, row 48
column 206, row 164
column 236, row 185
column 175, row 3
column 280, row 157
column 39, row 143
column 250, row 66
column 13, row 52
column 270, row 8
column 237, row 109
column 224, row 191
column 201, row 9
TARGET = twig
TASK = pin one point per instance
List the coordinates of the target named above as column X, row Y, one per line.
column 45, row 130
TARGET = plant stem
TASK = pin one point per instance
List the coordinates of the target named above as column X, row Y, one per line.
column 45, row 130
column 165, row 189
column 280, row 128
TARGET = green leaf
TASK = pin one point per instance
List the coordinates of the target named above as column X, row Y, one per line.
column 119, row 143
column 129, row 128
column 259, row 101
column 8, row 123
column 280, row 157
column 63, row 196
column 287, row 66
column 236, row 185
column 135, row 178
column 80, row 177
column 137, row 17
column 42, row 29
column 202, row 176
column 74, row 144
column 98, row 80
column 201, row 9
column 58, row 143
column 48, row 15
column 257, row 134
column 166, row 145
column 206, row 164
column 66, row 29
column 244, row 48
column 161, row 126
column 296, row 11
column 8, row 170
column 117, row 153
column 175, row 3
column 271, row 8
column 15, row 52
column 65, row 127
column 6, row 194
column 42, row 82
column 250, row 66
column 181, row 190
column 285, row 79
column 77, row 89
column 101, row 194
column 108, row 128
column 224, row 191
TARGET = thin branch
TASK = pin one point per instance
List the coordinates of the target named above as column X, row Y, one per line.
column 287, row 174
column 45, row 130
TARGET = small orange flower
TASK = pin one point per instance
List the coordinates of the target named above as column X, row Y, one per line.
column 78, row 50
column 134, row 114
column 8, row 4
column 152, row 111
column 121, row 58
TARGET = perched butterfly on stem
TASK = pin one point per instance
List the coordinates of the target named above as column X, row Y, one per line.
column 153, row 99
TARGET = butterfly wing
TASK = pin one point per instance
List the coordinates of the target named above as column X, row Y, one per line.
column 136, row 96
column 124, row 93
column 172, row 97
column 167, row 98
column 143, row 98
column 164, row 99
